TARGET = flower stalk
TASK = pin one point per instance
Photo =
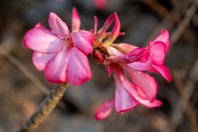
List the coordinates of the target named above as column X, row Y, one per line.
column 45, row 108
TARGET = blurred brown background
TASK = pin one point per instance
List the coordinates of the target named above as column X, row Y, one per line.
column 22, row 87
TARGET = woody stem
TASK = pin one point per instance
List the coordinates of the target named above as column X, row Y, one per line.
column 45, row 108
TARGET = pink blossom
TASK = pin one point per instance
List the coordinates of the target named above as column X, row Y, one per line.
column 128, row 95
column 150, row 58
column 61, row 54
column 140, row 88
column 155, row 55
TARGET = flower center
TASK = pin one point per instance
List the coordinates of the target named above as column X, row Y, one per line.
column 69, row 40
column 100, row 54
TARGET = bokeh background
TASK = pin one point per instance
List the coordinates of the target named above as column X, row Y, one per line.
column 22, row 87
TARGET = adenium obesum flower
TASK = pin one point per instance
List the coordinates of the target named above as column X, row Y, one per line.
column 61, row 54
column 150, row 58
column 127, row 95
column 140, row 87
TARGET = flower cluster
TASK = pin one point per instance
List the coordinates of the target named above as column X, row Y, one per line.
column 62, row 55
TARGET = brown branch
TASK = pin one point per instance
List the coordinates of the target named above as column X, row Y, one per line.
column 45, row 108
column 156, row 7
column 185, row 92
column 170, row 18
column 188, row 16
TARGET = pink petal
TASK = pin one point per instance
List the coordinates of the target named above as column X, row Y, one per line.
column 108, row 22
column 40, row 60
column 83, row 40
column 139, row 93
column 42, row 40
column 123, row 47
column 118, row 59
column 78, row 69
column 39, row 25
column 105, row 110
column 141, row 66
column 55, row 70
column 155, row 103
column 141, row 98
column 145, row 82
column 115, row 31
column 145, row 61
column 159, row 54
column 123, row 100
column 164, row 37
column 102, row 32
column 57, row 25
column 109, row 70
column 128, row 58
column 75, row 20
column 136, row 54
column 164, row 71
column 113, row 51
column 95, row 25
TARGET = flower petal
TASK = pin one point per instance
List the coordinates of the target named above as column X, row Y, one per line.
column 105, row 110
column 75, row 20
column 40, row 60
column 145, row 61
column 164, row 37
column 155, row 103
column 55, row 70
column 164, row 71
column 135, row 55
column 129, row 57
column 159, row 53
column 113, row 51
column 123, row 47
column 83, row 40
column 141, row 66
column 78, row 69
column 123, row 100
column 141, row 98
column 109, row 70
column 115, row 31
column 145, row 82
column 57, row 25
column 42, row 40
column 39, row 25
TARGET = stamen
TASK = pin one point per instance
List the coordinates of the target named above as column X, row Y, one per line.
column 69, row 41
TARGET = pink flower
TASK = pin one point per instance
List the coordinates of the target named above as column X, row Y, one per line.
column 150, row 58
column 61, row 54
column 145, row 82
column 128, row 95
column 140, row 88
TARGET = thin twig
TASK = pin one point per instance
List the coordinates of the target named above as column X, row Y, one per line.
column 169, row 20
column 185, row 97
column 189, row 14
column 184, row 101
column 45, row 108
